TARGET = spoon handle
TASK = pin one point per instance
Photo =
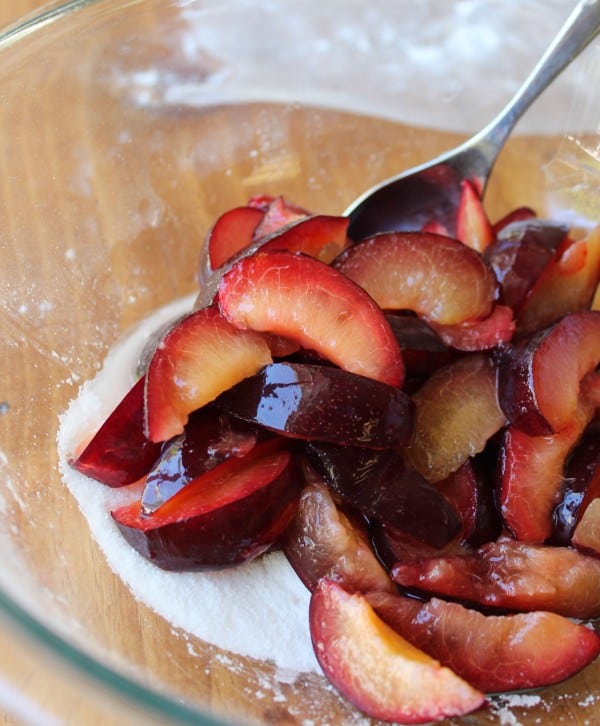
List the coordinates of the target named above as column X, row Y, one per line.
column 580, row 28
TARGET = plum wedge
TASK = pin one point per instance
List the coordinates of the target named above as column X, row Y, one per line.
column 520, row 252
column 439, row 278
column 199, row 358
column 587, row 532
column 567, row 284
column 230, row 514
column 492, row 652
column 324, row 403
column 319, row 235
column 208, row 439
column 531, row 474
column 301, row 298
column 383, row 487
column 581, row 485
column 120, row 453
column 530, row 369
column 512, row 575
column 232, row 231
column 376, row 669
column 456, row 412
column 323, row 541
column 473, row 228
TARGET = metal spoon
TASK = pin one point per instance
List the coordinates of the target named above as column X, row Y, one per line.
column 431, row 191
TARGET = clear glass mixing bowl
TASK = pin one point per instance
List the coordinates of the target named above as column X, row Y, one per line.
column 126, row 127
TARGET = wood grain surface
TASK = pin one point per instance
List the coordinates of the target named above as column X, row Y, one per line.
column 173, row 195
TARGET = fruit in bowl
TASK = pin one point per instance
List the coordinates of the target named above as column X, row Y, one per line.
column 118, row 157
column 279, row 413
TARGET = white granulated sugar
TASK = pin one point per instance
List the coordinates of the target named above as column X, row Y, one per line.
column 259, row 609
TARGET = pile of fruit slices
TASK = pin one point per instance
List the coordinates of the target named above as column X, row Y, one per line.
column 412, row 418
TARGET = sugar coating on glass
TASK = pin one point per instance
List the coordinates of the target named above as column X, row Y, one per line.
column 259, row 609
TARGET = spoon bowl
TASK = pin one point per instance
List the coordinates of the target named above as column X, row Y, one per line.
column 432, row 190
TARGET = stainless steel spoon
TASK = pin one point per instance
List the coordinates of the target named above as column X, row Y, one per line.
column 431, row 190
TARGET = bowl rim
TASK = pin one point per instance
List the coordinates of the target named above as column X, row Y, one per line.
column 134, row 693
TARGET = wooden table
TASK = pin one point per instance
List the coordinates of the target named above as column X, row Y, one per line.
column 12, row 10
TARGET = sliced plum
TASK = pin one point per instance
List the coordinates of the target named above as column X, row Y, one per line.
column 232, row 231
column 392, row 545
column 473, row 227
column 531, row 475
column 199, row 358
column 230, row 514
column 423, row 350
column 587, row 532
column 512, row 575
column 439, row 278
column 567, row 284
column 324, row 403
column 581, row 485
column 120, row 453
column 278, row 213
column 471, row 494
column 518, row 214
column 519, row 253
column 382, row 486
column 493, row 653
column 301, row 298
column 456, row 412
column 473, row 335
column 378, row 670
column 209, row 438
column 323, row 541
column 530, row 368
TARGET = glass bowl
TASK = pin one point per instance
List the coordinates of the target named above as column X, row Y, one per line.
column 126, row 128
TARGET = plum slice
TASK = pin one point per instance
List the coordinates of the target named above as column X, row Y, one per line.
column 277, row 211
column 382, row 486
column 519, row 253
column 120, row 453
column 567, row 284
column 301, row 298
column 531, row 474
column 473, row 228
column 530, row 368
column 321, row 402
column 491, row 652
column 378, row 670
column 439, row 278
column 209, row 438
column 587, row 532
column 473, row 335
column 323, row 541
column 581, row 485
column 512, row 575
column 230, row 514
column 199, row 358
column 456, row 412
column 472, row 496
column 423, row 350
column 320, row 235
column 232, row 231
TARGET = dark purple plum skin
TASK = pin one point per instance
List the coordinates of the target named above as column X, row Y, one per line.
column 423, row 350
column 323, row 403
column 579, row 470
column 119, row 453
column 519, row 254
column 515, row 393
column 234, row 533
column 209, row 438
column 383, row 487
